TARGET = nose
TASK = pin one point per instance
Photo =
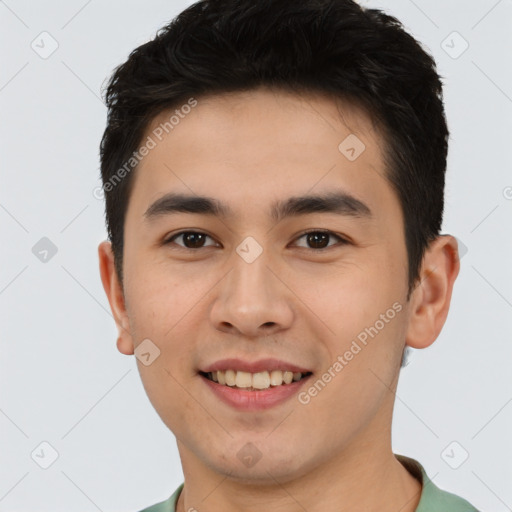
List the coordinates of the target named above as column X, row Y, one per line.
column 253, row 299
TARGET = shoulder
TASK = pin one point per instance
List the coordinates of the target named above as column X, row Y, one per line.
column 433, row 498
column 168, row 505
column 439, row 500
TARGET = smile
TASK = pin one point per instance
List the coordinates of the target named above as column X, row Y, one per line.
column 254, row 381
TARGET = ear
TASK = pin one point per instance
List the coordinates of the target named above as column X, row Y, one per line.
column 431, row 298
column 115, row 297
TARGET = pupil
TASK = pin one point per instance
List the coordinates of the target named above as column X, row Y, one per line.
column 313, row 238
column 190, row 237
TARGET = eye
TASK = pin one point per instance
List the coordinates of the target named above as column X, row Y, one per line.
column 318, row 238
column 191, row 239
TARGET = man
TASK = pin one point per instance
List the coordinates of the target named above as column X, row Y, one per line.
column 274, row 180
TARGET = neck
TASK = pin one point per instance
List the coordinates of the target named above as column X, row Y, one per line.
column 363, row 476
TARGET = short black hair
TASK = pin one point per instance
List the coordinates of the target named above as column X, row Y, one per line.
column 334, row 47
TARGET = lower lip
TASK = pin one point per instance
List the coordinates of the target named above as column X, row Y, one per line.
column 254, row 400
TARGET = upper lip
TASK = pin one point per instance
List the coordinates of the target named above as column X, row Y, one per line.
column 253, row 366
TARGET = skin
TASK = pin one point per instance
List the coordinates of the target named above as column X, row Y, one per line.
column 293, row 302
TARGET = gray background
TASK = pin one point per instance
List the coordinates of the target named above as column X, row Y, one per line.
column 62, row 379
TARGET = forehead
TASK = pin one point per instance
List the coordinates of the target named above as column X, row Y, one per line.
column 245, row 148
column 221, row 118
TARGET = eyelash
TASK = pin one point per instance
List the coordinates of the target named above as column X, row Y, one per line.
column 342, row 241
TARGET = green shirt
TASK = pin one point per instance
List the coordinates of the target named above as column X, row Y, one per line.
column 432, row 498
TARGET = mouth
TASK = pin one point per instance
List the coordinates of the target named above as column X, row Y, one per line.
column 253, row 386
column 258, row 381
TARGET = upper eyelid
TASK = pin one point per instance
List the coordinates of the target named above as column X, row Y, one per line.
column 179, row 233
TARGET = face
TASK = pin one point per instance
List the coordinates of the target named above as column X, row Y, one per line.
column 316, row 287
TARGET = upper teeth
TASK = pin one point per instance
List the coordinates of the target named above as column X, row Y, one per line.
column 259, row 380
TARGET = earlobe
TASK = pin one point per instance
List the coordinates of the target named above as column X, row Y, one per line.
column 115, row 297
column 125, row 345
column 431, row 298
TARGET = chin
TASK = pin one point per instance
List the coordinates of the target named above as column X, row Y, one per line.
column 263, row 468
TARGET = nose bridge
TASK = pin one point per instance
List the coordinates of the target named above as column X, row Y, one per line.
column 250, row 281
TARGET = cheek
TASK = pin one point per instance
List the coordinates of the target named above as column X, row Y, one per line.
column 345, row 296
column 160, row 310
column 355, row 382
column 159, row 300
column 362, row 317
column 166, row 390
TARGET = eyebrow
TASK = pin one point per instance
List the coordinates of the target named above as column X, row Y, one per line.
column 338, row 202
